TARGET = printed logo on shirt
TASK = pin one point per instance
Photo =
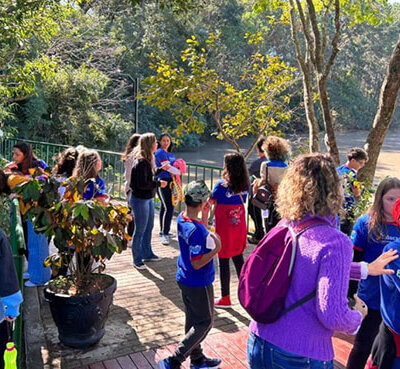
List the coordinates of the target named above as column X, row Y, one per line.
column 195, row 250
column 398, row 273
column 353, row 235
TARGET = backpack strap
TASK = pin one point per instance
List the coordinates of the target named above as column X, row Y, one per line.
column 295, row 232
column 300, row 302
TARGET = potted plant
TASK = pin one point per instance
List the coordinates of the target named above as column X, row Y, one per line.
column 86, row 234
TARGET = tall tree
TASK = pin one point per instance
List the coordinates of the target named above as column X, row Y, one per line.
column 383, row 118
column 316, row 28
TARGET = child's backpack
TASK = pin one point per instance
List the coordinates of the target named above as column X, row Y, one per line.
column 267, row 273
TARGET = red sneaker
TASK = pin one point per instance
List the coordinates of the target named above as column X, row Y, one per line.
column 223, row 302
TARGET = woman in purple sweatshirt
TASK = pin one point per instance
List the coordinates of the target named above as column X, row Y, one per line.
column 302, row 338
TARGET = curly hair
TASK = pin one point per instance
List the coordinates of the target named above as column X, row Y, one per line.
column 236, row 173
column 312, row 186
column 376, row 213
column 277, row 148
column 65, row 162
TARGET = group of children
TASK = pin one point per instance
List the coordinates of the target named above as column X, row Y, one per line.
column 147, row 171
column 373, row 234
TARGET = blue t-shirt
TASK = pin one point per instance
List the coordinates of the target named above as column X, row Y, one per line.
column 277, row 163
column 390, row 292
column 349, row 176
column 192, row 237
column 94, row 191
column 224, row 195
column 372, row 248
column 161, row 156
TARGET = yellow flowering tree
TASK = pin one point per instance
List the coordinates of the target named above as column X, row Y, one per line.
column 194, row 89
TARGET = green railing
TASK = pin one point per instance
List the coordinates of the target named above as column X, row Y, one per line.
column 113, row 167
column 17, row 242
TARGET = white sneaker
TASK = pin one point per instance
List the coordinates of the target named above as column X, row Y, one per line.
column 26, row 276
column 164, row 240
column 140, row 266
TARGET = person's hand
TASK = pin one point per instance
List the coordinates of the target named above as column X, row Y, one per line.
column 165, row 166
column 163, row 183
column 11, row 319
column 377, row 267
column 206, row 207
column 360, row 306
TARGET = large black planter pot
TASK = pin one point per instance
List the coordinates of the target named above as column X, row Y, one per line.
column 80, row 319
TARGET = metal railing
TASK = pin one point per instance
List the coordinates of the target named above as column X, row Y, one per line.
column 113, row 167
column 17, row 242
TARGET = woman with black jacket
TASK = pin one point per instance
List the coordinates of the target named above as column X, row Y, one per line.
column 144, row 185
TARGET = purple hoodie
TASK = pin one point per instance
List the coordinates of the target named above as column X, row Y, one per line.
column 323, row 262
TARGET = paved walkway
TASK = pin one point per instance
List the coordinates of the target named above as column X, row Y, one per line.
column 147, row 315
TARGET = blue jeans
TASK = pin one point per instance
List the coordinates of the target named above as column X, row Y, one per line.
column 38, row 252
column 143, row 211
column 263, row 355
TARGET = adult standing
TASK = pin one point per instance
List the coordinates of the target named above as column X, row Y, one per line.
column 302, row 337
column 128, row 157
column 165, row 160
column 272, row 171
column 254, row 211
column 143, row 186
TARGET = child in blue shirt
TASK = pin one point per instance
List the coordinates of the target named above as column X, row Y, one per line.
column 195, row 275
column 386, row 349
column 356, row 159
column 371, row 233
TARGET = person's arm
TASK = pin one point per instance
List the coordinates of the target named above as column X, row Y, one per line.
column 204, row 259
column 11, row 304
column 333, row 280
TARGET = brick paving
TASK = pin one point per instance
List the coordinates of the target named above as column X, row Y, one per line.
column 146, row 321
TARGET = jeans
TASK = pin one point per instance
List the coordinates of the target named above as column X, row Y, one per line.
column 38, row 252
column 143, row 211
column 263, row 355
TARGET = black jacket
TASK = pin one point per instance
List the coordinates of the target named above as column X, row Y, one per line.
column 143, row 181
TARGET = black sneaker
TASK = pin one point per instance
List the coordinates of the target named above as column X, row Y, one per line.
column 206, row 363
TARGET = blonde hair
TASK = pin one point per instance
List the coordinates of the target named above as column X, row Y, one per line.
column 311, row 186
column 86, row 165
column 145, row 147
column 276, row 148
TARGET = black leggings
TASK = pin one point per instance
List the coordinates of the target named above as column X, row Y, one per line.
column 167, row 209
column 364, row 340
column 225, row 274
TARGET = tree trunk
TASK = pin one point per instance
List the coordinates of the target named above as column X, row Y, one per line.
column 310, row 112
column 383, row 118
column 330, row 139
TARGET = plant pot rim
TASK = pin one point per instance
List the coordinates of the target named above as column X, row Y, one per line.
column 112, row 285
